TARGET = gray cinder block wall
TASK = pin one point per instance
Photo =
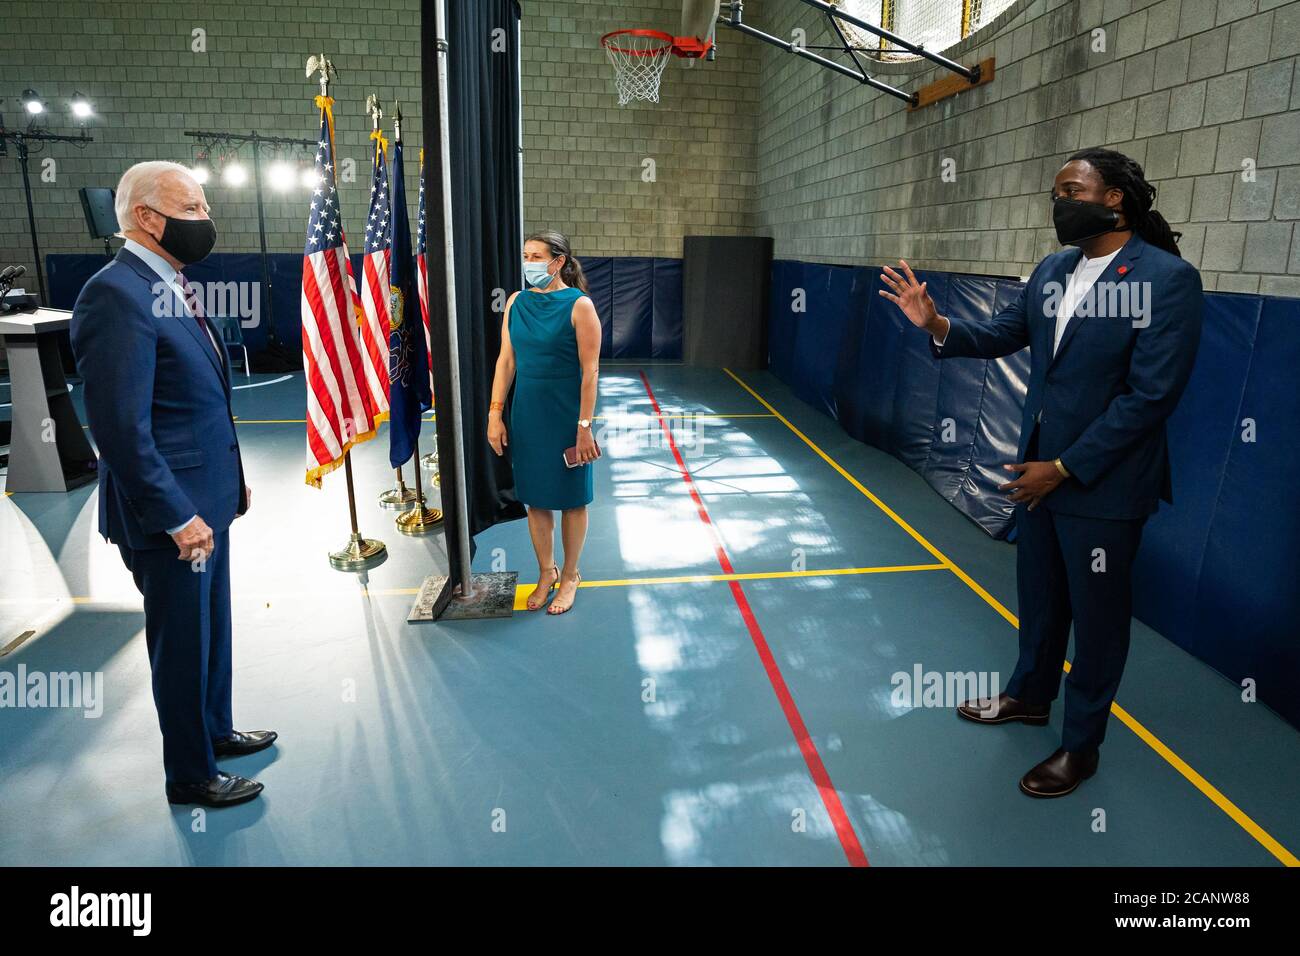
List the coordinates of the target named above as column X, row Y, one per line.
column 756, row 142
column 1198, row 91
column 136, row 63
column 587, row 161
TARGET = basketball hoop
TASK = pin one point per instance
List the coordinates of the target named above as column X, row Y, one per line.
column 638, row 58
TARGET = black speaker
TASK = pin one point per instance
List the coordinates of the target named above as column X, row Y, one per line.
column 725, row 283
column 101, row 217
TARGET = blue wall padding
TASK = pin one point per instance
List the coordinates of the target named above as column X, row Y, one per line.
column 781, row 319
column 639, row 299
column 667, row 330
column 1200, row 434
column 1219, row 570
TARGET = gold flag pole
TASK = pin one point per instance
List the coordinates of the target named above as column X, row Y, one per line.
column 419, row 520
column 360, row 553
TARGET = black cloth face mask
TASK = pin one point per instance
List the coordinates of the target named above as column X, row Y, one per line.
column 188, row 240
column 1077, row 221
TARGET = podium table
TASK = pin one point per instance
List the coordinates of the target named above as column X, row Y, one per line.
column 48, row 450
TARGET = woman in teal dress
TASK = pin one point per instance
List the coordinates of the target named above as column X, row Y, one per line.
column 550, row 349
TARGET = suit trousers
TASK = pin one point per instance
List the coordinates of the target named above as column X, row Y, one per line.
column 187, row 632
column 1080, row 569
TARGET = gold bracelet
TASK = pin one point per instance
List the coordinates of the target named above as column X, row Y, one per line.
column 496, row 405
column 1061, row 468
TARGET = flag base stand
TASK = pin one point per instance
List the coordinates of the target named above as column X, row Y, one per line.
column 360, row 554
column 494, row 596
column 419, row 520
column 430, row 461
column 398, row 498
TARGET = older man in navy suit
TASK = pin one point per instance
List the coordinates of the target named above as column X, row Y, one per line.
column 1112, row 326
column 157, row 381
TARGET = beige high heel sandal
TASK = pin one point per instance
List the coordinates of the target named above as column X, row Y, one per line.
column 554, row 586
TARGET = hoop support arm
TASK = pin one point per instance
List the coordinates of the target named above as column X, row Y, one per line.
column 790, row 47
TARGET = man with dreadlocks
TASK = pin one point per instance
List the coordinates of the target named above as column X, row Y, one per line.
column 1112, row 324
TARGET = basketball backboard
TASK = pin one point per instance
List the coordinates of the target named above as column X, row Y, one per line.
column 699, row 20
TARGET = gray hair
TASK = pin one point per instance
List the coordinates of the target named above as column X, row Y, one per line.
column 141, row 185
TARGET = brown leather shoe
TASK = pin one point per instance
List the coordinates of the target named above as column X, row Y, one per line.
column 1059, row 774
column 986, row 710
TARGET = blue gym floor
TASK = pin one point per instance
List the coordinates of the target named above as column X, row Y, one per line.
column 653, row 724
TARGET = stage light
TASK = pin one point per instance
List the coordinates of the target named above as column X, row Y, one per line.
column 234, row 174
column 310, row 178
column 201, row 170
column 280, row 175
column 81, row 108
column 33, row 102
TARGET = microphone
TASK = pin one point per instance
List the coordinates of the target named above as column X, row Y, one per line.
column 8, row 277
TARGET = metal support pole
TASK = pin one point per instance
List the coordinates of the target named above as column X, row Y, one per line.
column 519, row 135
column 449, row 258
column 971, row 73
column 265, row 298
column 834, row 13
column 31, row 221
column 790, row 47
column 20, row 139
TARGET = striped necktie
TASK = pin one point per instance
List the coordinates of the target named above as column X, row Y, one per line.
column 195, row 305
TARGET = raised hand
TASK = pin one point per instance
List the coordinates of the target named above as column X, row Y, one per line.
column 914, row 301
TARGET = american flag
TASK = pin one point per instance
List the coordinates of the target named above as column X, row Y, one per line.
column 374, row 291
column 422, row 270
column 339, row 408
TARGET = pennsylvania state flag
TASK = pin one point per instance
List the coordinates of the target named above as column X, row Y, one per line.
column 410, row 387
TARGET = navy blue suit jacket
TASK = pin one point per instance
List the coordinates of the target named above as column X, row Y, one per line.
column 158, row 405
column 1101, row 402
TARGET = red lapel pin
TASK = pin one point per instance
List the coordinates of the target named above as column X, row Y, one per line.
column 1123, row 269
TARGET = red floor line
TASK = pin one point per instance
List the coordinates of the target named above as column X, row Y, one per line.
column 830, row 797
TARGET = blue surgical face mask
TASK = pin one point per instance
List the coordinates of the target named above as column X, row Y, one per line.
column 535, row 273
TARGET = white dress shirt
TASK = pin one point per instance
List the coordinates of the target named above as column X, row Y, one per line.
column 1084, row 276
column 170, row 276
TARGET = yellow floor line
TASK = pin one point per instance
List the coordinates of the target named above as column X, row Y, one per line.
column 1238, row 816
column 609, row 583
column 523, row 590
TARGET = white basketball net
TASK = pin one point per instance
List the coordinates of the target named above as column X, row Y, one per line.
column 638, row 63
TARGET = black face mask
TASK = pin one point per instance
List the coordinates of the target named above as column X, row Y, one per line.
column 1077, row 221
column 188, row 240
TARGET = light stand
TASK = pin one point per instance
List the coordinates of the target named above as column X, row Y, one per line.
column 212, row 138
column 20, row 139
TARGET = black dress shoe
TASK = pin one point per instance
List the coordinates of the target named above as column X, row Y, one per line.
column 223, row 790
column 988, row 710
column 1060, row 773
column 240, row 743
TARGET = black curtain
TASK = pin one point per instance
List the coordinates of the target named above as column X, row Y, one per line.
column 483, row 100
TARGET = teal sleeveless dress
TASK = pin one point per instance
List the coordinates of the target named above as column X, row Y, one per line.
column 542, row 419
